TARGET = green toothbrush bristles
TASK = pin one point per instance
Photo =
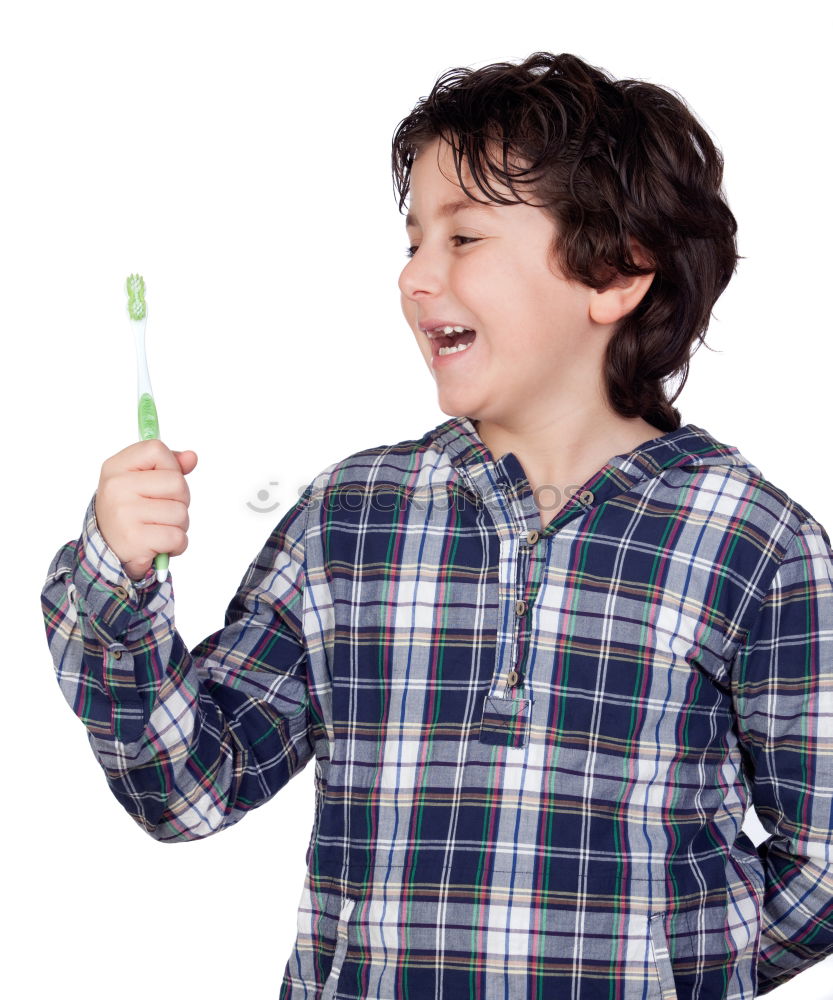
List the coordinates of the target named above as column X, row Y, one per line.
column 136, row 307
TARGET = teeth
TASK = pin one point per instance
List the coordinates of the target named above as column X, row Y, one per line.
column 453, row 350
column 447, row 331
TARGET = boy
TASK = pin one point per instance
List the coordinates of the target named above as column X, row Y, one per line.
column 544, row 656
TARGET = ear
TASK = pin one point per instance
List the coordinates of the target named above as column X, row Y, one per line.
column 623, row 294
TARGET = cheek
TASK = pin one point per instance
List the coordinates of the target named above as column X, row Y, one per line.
column 484, row 290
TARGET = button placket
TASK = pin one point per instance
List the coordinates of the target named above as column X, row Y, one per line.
column 507, row 710
column 507, row 707
column 506, row 713
column 512, row 678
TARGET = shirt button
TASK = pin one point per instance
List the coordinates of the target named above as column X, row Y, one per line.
column 512, row 678
column 116, row 654
column 531, row 537
column 585, row 497
column 520, row 608
column 120, row 592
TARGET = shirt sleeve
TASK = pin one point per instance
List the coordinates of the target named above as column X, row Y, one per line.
column 783, row 690
column 189, row 741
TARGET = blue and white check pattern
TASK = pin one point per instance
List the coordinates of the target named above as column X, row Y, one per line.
column 534, row 749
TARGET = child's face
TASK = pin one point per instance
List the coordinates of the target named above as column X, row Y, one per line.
column 535, row 341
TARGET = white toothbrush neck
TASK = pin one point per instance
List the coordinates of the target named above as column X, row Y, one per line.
column 143, row 376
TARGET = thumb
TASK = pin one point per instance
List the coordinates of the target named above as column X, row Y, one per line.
column 187, row 460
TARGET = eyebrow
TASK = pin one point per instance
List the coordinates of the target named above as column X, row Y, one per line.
column 451, row 208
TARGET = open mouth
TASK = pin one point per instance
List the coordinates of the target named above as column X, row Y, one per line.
column 443, row 344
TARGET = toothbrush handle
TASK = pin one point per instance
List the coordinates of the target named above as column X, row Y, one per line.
column 148, row 421
column 149, row 428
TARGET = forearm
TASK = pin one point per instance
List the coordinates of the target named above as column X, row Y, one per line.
column 201, row 761
column 125, row 672
column 189, row 741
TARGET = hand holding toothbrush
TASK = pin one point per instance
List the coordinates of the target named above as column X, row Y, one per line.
column 148, row 421
column 142, row 497
column 141, row 504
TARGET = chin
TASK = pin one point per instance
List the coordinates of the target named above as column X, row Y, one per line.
column 456, row 408
column 448, row 408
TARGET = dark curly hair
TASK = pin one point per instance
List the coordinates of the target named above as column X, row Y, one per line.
column 610, row 161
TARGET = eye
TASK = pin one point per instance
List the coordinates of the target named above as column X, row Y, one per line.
column 466, row 239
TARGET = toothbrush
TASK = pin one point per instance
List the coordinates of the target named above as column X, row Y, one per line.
column 137, row 310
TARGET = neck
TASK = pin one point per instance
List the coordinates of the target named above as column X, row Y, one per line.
column 564, row 452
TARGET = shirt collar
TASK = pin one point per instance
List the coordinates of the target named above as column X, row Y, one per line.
column 688, row 446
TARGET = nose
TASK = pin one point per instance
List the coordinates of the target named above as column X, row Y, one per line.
column 421, row 275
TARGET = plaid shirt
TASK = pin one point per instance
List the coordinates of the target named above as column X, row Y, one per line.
column 534, row 749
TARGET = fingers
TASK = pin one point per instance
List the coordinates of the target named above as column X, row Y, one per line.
column 164, row 512
column 187, row 461
column 145, row 541
column 140, row 455
column 164, row 538
column 142, row 503
column 157, row 483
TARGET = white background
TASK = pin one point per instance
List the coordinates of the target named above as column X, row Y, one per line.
column 238, row 156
